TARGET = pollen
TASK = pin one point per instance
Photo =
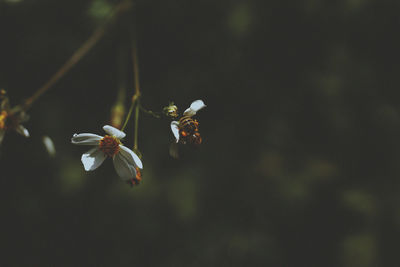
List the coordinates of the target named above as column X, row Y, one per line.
column 109, row 145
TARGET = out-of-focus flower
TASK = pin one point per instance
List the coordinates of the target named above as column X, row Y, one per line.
column 117, row 115
column 186, row 130
column 49, row 145
column 127, row 164
column 11, row 118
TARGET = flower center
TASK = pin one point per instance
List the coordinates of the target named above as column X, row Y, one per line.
column 109, row 145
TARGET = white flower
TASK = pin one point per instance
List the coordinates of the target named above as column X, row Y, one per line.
column 190, row 112
column 126, row 162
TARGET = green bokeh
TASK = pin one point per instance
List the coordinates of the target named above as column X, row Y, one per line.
column 299, row 164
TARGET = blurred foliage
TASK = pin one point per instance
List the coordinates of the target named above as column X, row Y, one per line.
column 100, row 9
column 299, row 164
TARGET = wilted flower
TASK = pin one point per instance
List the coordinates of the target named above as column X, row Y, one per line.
column 186, row 129
column 126, row 162
column 11, row 118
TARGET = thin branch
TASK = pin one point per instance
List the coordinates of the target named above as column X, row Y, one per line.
column 152, row 113
column 135, row 66
column 128, row 116
column 79, row 53
column 135, row 143
column 136, row 96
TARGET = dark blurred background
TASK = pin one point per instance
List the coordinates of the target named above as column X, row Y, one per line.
column 299, row 164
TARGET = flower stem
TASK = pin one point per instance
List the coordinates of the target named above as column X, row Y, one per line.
column 135, row 143
column 136, row 96
column 135, row 102
column 128, row 116
column 79, row 53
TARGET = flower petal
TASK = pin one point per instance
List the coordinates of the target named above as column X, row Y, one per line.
column 114, row 131
column 194, row 107
column 22, row 130
column 93, row 159
column 122, row 166
column 175, row 129
column 86, row 139
column 131, row 156
column 49, row 145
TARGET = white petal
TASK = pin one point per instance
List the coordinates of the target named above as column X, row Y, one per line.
column 22, row 131
column 175, row 129
column 114, row 131
column 49, row 145
column 93, row 159
column 131, row 156
column 197, row 105
column 194, row 107
column 124, row 169
column 86, row 139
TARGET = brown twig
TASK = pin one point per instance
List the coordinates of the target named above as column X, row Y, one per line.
column 79, row 53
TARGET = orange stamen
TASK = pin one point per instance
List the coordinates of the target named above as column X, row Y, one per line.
column 136, row 180
column 109, row 145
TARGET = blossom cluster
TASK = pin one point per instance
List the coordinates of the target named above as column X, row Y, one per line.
column 127, row 163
